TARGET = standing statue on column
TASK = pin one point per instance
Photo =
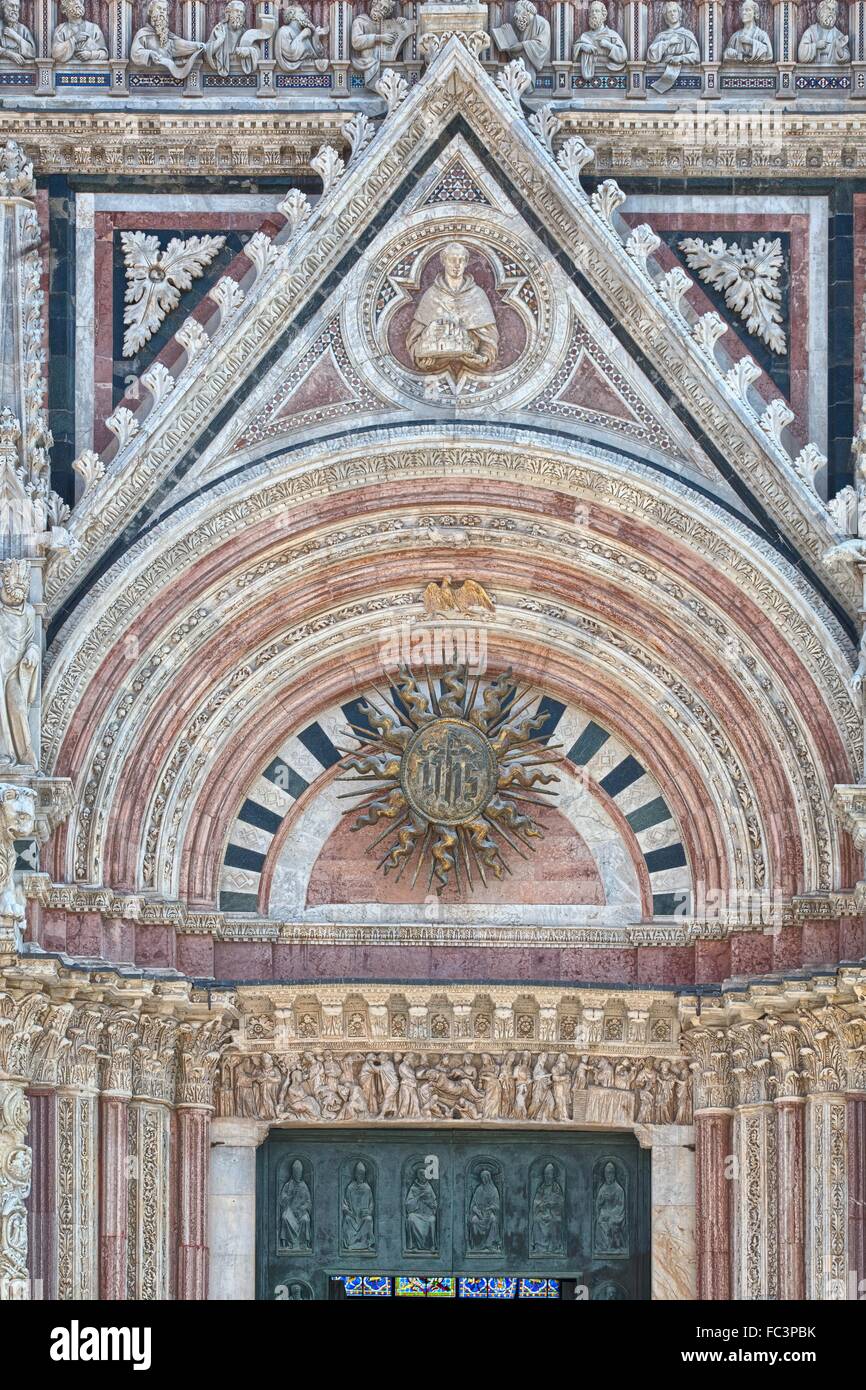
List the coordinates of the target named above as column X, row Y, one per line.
column 20, row 653
column 749, row 44
column 77, row 40
column 675, row 46
column 17, row 44
column 528, row 38
column 599, row 44
column 823, row 43
column 154, row 45
column 377, row 38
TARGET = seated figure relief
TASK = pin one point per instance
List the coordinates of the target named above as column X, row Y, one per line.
column 749, row 44
column 231, row 45
column 154, row 45
column 823, row 43
column 377, row 38
column 77, row 40
column 527, row 38
column 300, row 40
column 17, row 44
column 675, row 46
column 600, row 45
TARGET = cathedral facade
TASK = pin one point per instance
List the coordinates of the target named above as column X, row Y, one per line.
column 432, row 801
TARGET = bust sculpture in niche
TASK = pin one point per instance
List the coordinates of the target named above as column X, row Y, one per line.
column 599, row 44
column 822, row 42
column 749, row 44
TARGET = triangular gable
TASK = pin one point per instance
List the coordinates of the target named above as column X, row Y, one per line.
column 306, row 253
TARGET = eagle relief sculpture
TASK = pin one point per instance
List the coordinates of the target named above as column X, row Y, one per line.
column 468, row 597
column 454, row 325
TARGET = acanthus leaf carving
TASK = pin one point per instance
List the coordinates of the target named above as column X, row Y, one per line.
column 156, row 278
column 749, row 280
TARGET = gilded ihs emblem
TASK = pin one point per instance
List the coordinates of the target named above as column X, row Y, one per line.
column 454, row 768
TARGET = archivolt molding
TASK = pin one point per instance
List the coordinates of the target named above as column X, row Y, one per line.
column 454, row 82
column 594, row 475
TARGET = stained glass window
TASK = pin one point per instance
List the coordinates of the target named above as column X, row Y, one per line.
column 413, row 1286
column 366, row 1286
column 428, row 1286
column 539, row 1288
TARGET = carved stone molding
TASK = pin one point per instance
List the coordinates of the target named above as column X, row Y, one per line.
column 15, row 1166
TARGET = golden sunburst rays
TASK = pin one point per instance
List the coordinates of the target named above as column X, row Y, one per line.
column 451, row 768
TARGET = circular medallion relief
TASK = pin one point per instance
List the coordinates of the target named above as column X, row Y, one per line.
column 459, row 309
column 449, row 771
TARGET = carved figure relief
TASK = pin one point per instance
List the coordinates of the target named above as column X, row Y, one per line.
column 599, row 45
column 300, row 40
column 528, row 37
column 298, row 1291
column 675, row 46
column 358, row 1210
column 295, row 1215
column 420, row 1209
column 610, row 1213
column 749, row 44
column 17, row 44
column 823, row 43
column 484, row 1211
column 77, row 40
column 465, row 597
column 547, row 1213
column 20, row 656
column 454, row 324
column 377, row 38
column 231, row 45
column 154, row 45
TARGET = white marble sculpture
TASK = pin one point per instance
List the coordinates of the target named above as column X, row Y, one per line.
column 154, row 45
column 377, row 38
column 17, row 44
column 599, row 45
column 77, row 40
column 675, row 46
column 749, row 44
column 19, row 664
column 822, row 43
column 528, row 38
column 300, row 40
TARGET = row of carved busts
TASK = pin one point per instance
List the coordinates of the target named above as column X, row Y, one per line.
column 379, row 36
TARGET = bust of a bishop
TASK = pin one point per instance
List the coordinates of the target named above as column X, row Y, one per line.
column 454, row 324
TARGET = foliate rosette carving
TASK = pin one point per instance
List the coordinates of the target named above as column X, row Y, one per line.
column 710, row 1065
column 156, row 278
column 748, row 277
column 15, row 1168
column 512, row 1087
column 200, row 1046
column 16, row 172
column 154, row 1058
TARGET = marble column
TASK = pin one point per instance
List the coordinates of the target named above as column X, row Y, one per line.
column 755, row 1202
column 148, row 1200
column 713, row 1154
column 672, row 1209
column 76, row 1186
column 826, row 1193
column 15, row 1169
column 113, row 1196
column 193, row 1154
column 790, row 1198
column 42, row 1203
column 232, row 1208
column 856, row 1107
